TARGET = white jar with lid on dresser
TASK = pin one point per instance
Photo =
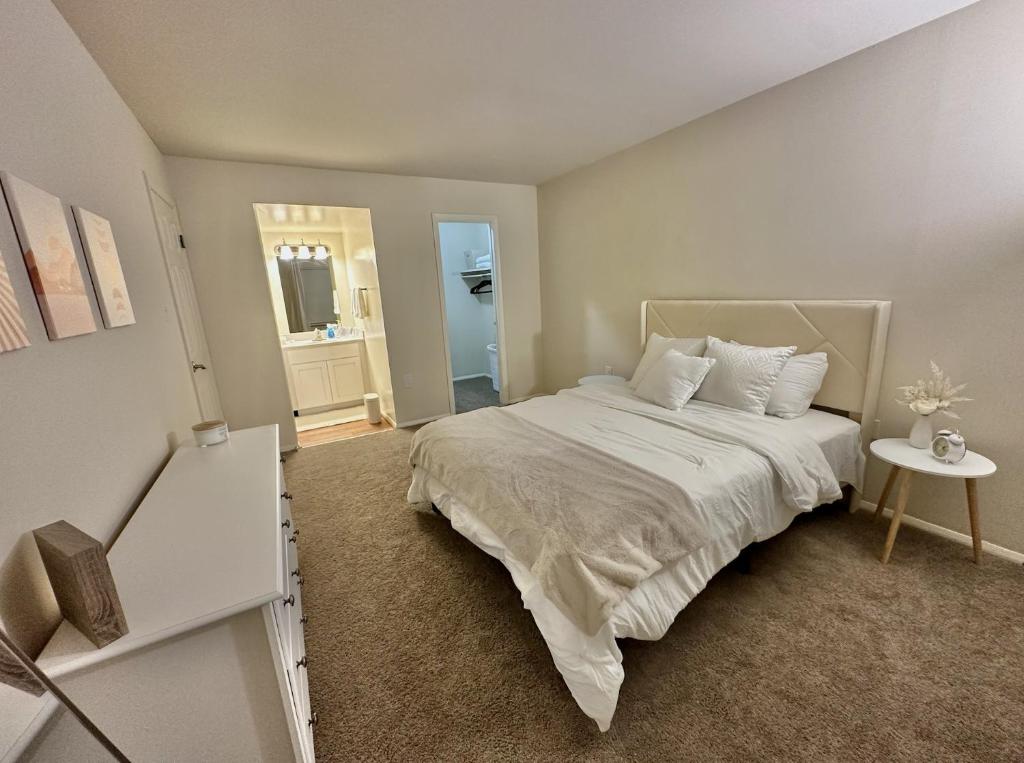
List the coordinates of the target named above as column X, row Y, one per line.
column 213, row 666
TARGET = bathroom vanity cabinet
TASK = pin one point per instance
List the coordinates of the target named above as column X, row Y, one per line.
column 325, row 374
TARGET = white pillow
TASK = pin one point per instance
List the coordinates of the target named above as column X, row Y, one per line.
column 797, row 385
column 673, row 379
column 744, row 376
column 658, row 345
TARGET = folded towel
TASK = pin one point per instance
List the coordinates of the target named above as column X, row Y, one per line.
column 359, row 303
column 483, row 262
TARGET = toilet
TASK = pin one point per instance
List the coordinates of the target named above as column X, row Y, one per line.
column 492, row 357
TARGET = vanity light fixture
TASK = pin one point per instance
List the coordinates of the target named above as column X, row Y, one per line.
column 302, row 251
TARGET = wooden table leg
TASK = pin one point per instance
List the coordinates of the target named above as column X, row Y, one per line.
column 901, row 505
column 893, row 473
column 972, row 510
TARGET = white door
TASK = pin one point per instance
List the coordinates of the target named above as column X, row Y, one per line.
column 186, row 305
column 312, row 384
column 346, row 379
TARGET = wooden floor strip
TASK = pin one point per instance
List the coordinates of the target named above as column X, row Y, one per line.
column 341, row 432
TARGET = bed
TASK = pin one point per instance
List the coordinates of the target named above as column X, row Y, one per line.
column 739, row 479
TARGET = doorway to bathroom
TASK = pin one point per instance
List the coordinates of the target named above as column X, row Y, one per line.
column 322, row 272
column 469, row 277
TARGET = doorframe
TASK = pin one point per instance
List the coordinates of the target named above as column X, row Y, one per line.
column 499, row 310
column 167, row 198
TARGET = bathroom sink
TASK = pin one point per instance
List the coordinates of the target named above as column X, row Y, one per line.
column 286, row 342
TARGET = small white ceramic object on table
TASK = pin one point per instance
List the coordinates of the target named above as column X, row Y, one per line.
column 921, row 433
column 906, row 460
column 601, row 379
column 208, row 433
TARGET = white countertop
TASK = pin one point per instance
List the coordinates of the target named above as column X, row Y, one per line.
column 317, row 342
column 204, row 544
column 209, row 505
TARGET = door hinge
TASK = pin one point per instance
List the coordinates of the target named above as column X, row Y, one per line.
column 181, row 241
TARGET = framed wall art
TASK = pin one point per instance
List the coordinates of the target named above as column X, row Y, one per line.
column 49, row 255
column 12, row 325
column 105, row 268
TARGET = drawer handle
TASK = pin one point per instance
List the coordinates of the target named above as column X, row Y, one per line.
column 304, row 619
column 294, row 537
column 282, row 459
column 289, row 600
column 296, row 573
column 300, row 580
column 286, row 495
column 286, row 523
column 304, row 662
column 313, row 721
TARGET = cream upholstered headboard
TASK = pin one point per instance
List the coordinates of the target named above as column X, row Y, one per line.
column 851, row 332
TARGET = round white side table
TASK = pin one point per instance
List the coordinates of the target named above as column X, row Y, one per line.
column 601, row 379
column 905, row 460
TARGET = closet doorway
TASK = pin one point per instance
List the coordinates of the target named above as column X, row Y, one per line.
column 469, row 279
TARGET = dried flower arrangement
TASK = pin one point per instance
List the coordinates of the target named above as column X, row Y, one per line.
column 936, row 394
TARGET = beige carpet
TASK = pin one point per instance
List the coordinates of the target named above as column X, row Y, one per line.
column 420, row 649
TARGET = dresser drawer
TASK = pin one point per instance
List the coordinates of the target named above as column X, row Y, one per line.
column 289, row 623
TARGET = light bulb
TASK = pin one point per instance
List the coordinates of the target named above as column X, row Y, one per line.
column 285, row 252
column 304, row 252
column 321, row 252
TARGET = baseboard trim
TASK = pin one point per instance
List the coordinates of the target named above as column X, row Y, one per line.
column 524, row 398
column 944, row 532
column 417, row 422
column 388, row 419
column 471, row 376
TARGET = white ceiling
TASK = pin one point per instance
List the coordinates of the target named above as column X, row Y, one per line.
column 501, row 90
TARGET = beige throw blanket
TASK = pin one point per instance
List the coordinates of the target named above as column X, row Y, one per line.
column 591, row 527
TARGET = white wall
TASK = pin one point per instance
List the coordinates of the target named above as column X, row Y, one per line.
column 896, row 173
column 215, row 202
column 363, row 273
column 471, row 324
column 86, row 422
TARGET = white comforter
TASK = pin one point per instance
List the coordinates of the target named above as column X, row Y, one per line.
column 754, row 474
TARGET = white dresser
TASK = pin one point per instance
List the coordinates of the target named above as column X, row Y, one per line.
column 214, row 665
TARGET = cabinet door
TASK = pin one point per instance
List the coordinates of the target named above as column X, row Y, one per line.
column 312, row 384
column 346, row 379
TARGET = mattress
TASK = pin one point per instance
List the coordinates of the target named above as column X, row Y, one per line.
column 592, row 665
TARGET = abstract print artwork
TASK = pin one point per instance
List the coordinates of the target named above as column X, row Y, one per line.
column 105, row 267
column 50, row 256
column 12, row 325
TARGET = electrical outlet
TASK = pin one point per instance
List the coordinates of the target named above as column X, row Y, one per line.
column 409, row 381
column 608, row 370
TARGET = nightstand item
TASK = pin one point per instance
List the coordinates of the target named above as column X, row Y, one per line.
column 905, row 460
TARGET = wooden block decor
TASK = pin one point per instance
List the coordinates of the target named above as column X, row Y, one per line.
column 13, row 673
column 81, row 580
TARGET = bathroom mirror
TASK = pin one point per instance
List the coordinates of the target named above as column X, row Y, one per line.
column 38, row 722
column 309, row 293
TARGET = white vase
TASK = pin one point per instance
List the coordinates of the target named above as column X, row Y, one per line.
column 921, row 432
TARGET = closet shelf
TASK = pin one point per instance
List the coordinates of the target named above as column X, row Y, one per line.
column 476, row 273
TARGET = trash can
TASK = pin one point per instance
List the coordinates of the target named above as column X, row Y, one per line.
column 372, row 402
